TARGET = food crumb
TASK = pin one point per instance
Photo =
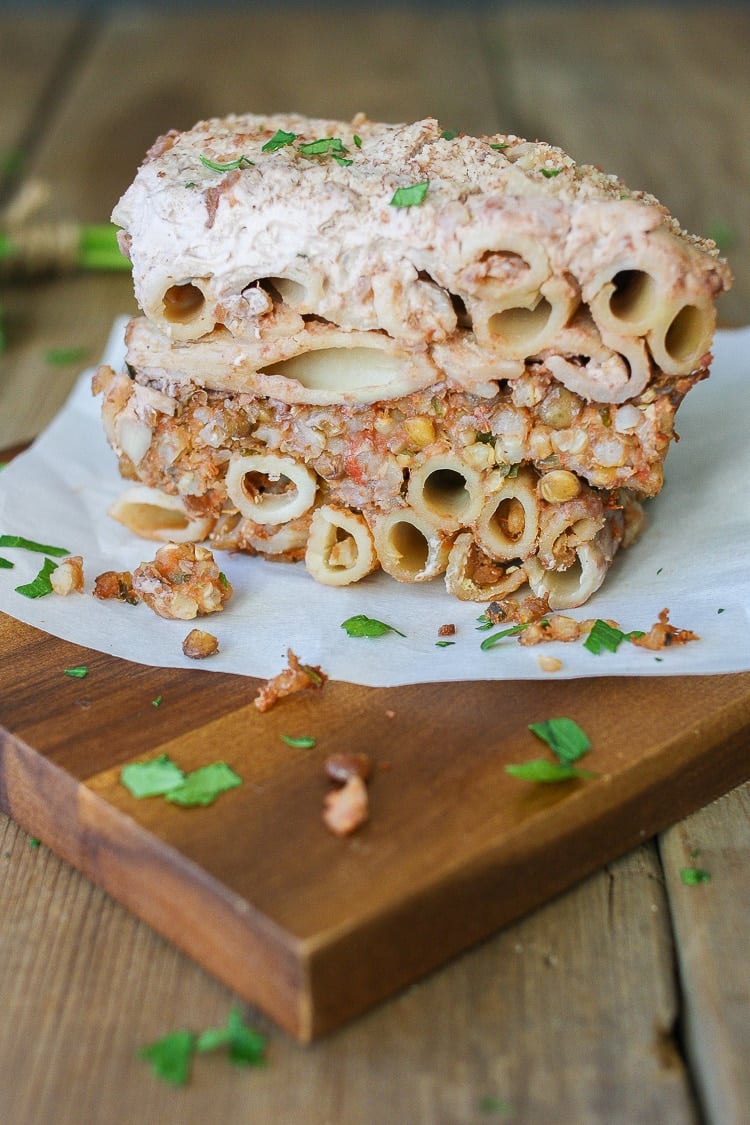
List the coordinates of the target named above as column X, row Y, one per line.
column 346, row 808
column 390, row 714
column 295, row 677
column 549, row 663
column 67, row 577
column 198, row 644
column 182, row 582
column 447, row 631
column 117, row 584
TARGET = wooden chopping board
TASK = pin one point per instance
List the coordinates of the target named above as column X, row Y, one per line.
column 312, row 928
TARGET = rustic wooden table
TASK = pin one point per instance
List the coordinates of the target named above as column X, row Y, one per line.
column 628, row 998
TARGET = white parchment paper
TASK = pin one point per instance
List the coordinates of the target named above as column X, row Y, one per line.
column 694, row 558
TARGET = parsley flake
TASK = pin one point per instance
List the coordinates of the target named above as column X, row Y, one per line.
column 216, row 166
column 324, row 146
column 247, row 1047
column 6, row 564
column 449, row 134
column 549, row 173
column 363, row 626
column 491, row 641
column 605, row 637
column 157, row 702
column 280, row 139
column 692, row 876
column 344, row 161
column 153, row 778
column 443, row 644
column 357, row 141
column 411, row 196
column 304, row 742
column 78, row 673
column 170, row 1057
column 41, row 585
column 31, row 545
column 204, row 785
column 564, row 737
column 540, row 769
column 499, row 147
column 34, row 841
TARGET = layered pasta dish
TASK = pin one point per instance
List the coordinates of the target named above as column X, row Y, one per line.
column 372, row 346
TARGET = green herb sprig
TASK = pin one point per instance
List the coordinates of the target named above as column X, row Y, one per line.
column 363, row 626
column 413, row 195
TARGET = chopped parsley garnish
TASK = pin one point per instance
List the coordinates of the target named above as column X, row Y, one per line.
column 204, row 785
column 247, row 1047
column 280, row 139
column 499, row 147
column 344, row 161
column 357, row 141
column 6, row 564
column 363, row 626
column 564, row 737
column 171, row 1056
column 41, row 585
column 540, row 769
column 512, row 631
column 78, row 673
column 692, row 876
column 34, row 841
column 567, row 742
column 449, row 134
column 550, row 172
column 605, row 637
column 720, row 610
column 30, row 545
column 325, row 146
column 157, row 702
column 60, row 357
column 216, row 166
column 444, row 644
column 410, row 196
column 223, row 579
column 304, row 742
column 153, row 778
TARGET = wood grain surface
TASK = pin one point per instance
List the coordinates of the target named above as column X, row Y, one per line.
column 624, row 999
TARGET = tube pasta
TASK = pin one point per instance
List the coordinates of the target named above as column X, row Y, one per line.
column 153, row 514
column 569, row 588
column 508, row 524
column 409, row 547
column 340, row 547
column 270, row 489
column 445, row 490
column 522, row 325
column 472, row 576
column 566, row 526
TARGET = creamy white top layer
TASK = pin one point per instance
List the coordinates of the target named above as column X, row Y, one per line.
column 504, row 225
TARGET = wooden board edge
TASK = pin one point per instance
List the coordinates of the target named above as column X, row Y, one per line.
column 502, row 886
column 220, row 931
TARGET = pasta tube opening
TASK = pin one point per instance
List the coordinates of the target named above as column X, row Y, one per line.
column 567, row 589
column 519, row 328
column 446, row 490
column 153, row 514
column 688, row 333
column 340, row 548
column 472, row 576
column 408, row 546
column 269, row 488
column 508, row 523
column 633, row 296
column 183, row 303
